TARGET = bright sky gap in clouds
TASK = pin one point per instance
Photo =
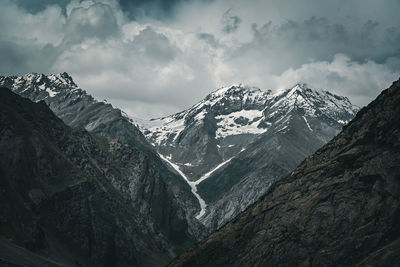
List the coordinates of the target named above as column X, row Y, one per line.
column 155, row 57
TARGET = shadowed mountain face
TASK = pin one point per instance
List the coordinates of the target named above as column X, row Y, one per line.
column 339, row 207
column 78, row 109
column 79, row 199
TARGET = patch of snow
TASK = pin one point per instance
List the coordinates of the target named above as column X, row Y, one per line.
column 200, row 116
column 48, row 90
column 227, row 125
column 206, row 175
column 162, row 129
column 193, row 186
column 308, row 125
column 51, row 92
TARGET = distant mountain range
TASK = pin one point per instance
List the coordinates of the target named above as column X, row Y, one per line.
column 339, row 207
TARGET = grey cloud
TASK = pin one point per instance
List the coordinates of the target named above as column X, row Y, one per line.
column 319, row 39
column 97, row 21
column 153, row 53
column 155, row 45
column 230, row 22
column 19, row 59
column 159, row 9
column 37, row 6
column 208, row 38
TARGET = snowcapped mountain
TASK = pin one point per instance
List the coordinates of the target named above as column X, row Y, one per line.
column 227, row 120
column 200, row 138
column 237, row 141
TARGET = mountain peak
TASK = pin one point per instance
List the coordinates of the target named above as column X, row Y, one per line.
column 235, row 88
column 41, row 85
column 301, row 86
column 63, row 78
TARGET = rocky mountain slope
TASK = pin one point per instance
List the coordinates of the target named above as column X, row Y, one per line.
column 340, row 207
column 79, row 109
column 77, row 199
column 237, row 141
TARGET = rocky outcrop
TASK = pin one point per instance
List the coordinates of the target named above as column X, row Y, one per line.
column 340, row 207
column 78, row 199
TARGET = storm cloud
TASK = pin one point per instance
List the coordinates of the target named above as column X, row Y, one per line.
column 156, row 57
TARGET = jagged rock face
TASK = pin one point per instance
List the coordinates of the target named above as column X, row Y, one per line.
column 340, row 207
column 78, row 199
column 79, row 109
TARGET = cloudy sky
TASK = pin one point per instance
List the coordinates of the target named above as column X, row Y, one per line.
column 156, row 57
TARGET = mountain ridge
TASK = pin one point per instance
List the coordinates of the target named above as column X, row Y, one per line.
column 339, row 207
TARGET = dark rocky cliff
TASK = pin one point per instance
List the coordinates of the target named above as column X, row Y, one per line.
column 340, row 207
column 79, row 199
column 77, row 108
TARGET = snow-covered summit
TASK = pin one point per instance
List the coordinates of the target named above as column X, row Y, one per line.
column 228, row 119
column 247, row 110
column 310, row 102
column 42, row 86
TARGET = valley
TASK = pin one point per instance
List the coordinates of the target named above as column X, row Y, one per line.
column 193, row 171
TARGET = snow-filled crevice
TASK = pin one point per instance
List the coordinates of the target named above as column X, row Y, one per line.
column 193, row 184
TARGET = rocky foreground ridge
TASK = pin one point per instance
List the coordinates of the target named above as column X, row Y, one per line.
column 340, row 207
column 71, row 198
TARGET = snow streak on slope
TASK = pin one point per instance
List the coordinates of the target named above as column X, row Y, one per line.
column 205, row 176
column 193, row 185
column 308, row 125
